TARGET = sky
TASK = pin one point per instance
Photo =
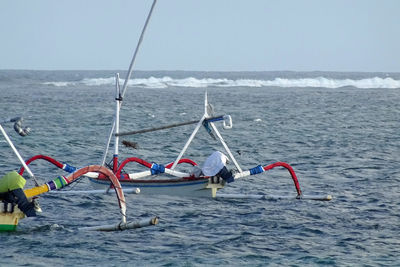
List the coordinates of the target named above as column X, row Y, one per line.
column 202, row 35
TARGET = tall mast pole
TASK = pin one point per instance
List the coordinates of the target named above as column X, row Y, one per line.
column 128, row 76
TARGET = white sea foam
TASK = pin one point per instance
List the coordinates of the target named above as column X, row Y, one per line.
column 60, row 84
column 165, row 82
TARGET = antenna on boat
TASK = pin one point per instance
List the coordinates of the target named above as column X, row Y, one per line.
column 23, row 132
column 118, row 98
column 206, row 103
column 128, row 76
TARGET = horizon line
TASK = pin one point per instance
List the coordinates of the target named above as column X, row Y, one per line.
column 225, row 71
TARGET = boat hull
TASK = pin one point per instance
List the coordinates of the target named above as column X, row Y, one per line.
column 176, row 187
column 9, row 220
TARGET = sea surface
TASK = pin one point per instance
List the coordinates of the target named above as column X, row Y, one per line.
column 339, row 131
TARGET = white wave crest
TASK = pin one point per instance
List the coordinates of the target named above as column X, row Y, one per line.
column 165, row 82
column 60, row 84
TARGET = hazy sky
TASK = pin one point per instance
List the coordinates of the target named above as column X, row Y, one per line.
column 300, row 35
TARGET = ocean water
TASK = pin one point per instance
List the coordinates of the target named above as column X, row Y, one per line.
column 339, row 131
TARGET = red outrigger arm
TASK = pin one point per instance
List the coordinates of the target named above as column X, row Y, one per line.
column 64, row 166
column 291, row 171
column 260, row 169
column 156, row 168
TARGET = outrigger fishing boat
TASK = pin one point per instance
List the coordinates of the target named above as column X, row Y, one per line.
column 165, row 179
column 203, row 180
column 10, row 213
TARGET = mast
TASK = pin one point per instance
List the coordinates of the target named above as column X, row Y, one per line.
column 128, row 76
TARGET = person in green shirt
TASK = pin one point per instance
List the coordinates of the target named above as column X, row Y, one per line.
column 11, row 191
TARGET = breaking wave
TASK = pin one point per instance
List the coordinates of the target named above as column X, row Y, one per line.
column 165, row 82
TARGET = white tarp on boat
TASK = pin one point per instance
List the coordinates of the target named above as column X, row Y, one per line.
column 214, row 163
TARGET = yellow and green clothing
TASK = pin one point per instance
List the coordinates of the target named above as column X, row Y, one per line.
column 11, row 191
column 11, row 181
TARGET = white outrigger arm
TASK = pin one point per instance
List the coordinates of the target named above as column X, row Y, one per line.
column 227, row 125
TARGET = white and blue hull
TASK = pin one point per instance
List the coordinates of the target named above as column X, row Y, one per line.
column 175, row 187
